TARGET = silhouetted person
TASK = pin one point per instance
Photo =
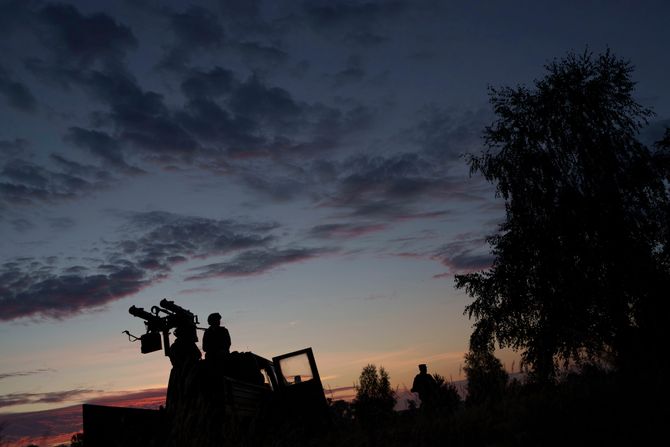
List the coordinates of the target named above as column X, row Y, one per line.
column 184, row 355
column 425, row 385
column 216, row 341
column 184, row 352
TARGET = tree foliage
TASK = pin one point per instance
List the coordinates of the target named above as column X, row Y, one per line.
column 447, row 399
column 487, row 379
column 577, row 269
column 375, row 398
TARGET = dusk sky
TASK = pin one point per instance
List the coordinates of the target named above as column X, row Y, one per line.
column 297, row 166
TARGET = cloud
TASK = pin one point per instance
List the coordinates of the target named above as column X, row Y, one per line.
column 16, row 93
column 469, row 252
column 23, row 183
column 223, row 118
column 24, row 373
column 13, row 399
column 83, row 39
column 51, row 289
column 196, row 28
column 255, row 262
column 257, row 53
column 447, row 135
column 345, row 230
column 272, row 106
column 140, row 117
column 52, row 427
column 102, row 145
column 39, row 290
column 389, row 186
column 173, row 238
column 209, row 84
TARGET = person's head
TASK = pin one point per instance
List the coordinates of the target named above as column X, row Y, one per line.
column 214, row 319
column 423, row 368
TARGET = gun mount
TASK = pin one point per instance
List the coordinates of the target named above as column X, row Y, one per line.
column 240, row 398
column 159, row 326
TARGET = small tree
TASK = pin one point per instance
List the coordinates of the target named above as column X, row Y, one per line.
column 447, row 399
column 487, row 379
column 375, row 398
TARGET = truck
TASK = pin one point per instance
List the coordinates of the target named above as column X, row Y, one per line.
column 241, row 400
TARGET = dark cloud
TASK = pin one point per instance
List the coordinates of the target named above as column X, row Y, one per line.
column 259, row 54
column 170, row 238
column 210, row 84
column 141, row 117
column 447, row 135
column 41, row 291
column 8, row 400
column 30, row 427
column 345, row 230
column 211, row 124
column 467, row 253
column 222, row 117
column 197, row 27
column 255, row 262
column 16, row 93
column 44, row 289
column 102, row 145
column 23, row 182
column 386, row 186
column 272, row 106
column 84, row 39
column 24, row 373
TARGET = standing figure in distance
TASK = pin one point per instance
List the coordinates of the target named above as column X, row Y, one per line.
column 216, row 341
column 425, row 385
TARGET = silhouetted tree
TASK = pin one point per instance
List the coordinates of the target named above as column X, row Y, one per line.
column 375, row 398
column 447, row 398
column 577, row 271
column 487, row 379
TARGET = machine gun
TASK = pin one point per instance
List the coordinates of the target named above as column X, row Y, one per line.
column 160, row 325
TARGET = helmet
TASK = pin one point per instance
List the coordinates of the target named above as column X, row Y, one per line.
column 214, row 318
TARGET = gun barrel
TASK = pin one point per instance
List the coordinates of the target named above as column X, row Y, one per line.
column 171, row 306
column 139, row 312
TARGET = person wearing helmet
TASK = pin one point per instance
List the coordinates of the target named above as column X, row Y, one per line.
column 216, row 341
